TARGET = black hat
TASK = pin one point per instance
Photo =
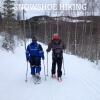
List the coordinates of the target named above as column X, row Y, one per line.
column 34, row 38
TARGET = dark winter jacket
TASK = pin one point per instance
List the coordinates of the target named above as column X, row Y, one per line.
column 34, row 50
column 57, row 47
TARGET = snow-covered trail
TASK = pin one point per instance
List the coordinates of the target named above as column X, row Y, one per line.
column 81, row 82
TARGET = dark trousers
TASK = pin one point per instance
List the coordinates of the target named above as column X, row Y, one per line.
column 35, row 61
column 58, row 62
column 35, row 70
column 35, row 64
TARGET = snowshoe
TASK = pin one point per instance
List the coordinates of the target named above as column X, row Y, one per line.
column 59, row 79
column 37, row 79
column 53, row 76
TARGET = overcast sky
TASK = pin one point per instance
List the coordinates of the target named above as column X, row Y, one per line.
column 31, row 13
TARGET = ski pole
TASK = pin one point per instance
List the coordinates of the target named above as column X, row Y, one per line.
column 47, row 63
column 64, row 67
column 24, row 30
column 44, row 70
column 26, row 72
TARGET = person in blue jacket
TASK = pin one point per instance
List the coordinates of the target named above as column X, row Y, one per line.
column 34, row 53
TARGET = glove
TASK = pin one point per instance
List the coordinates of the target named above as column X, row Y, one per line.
column 43, row 58
column 28, row 58
column 47, row 51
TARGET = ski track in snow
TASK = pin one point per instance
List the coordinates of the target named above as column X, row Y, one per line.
column 89, row 83
column 81, row 81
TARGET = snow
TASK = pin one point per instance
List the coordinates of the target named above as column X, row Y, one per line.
column 81, row 82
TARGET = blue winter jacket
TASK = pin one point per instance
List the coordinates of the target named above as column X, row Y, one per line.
column 34, row 50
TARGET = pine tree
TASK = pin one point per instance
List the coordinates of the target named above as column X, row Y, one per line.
column 9, row 24
column 0, row 17
column 8, row 9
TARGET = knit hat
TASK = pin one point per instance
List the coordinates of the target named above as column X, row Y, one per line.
column 55, row 37
column 34, row 38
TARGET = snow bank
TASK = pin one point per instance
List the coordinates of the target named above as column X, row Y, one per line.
column 81, row 82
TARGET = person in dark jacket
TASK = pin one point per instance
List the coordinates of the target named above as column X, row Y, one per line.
column 57, row 47
column 34, row 53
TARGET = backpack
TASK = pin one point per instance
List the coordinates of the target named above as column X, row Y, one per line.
column 57, row 50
